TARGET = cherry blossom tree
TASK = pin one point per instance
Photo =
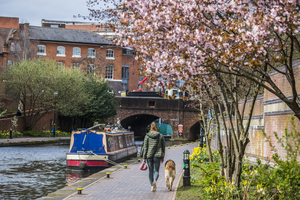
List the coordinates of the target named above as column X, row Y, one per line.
column 201, row 41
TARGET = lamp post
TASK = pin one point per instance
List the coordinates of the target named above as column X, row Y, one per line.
column 10, row 134
column 186, row 168
column 201, row 143
column 54, row 120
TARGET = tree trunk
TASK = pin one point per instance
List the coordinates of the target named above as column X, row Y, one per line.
column 207, row 133
column 208, row 148
column 220, row 146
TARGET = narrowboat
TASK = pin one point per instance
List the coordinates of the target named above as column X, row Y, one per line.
column 92, row 149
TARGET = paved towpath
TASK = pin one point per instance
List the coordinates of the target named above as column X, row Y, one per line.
column 30, row 140
column 132, row 183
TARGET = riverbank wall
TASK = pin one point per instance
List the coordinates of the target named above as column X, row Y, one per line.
column 32, row 141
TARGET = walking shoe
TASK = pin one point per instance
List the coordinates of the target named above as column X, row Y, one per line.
column 151, row 188
column 154, row 186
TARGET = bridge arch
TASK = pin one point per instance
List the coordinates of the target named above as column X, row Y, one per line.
column 138, row 123
column 194, row 130
column 138, row 112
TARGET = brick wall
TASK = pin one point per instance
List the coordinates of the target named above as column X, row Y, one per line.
column 42, row 124
column 9, row 22
column 271, row 115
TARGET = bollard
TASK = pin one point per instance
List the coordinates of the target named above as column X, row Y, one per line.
column 79, row 190
column 187, row 143
column 125, row 166
column 186, row 168
column 10, row 134
column 181, row 144
column 139, row 160
column 168, row 147
column 107, row 175
column 175, row 145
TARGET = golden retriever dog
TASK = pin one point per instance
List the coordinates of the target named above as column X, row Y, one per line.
column 170, row 172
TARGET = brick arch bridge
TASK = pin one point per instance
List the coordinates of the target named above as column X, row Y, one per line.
column 139, row 112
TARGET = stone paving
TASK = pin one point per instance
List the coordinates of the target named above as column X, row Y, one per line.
column 132, row 183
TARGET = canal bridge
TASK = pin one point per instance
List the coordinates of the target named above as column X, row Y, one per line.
column 138, row 112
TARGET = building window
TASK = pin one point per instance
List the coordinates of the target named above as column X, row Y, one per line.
column 125, row 76
column 61, row 51
column 41, row 50
column 9, row 63
column 12, row 46
column 91, row 52
column 76, row 52
column 76, row 65
column 61, row 64
column 109, row 54
column 109, row 72
column 91, row 69
column 18, row 47
column 127, row 52
column 125, row 70
column 151, row 103
column 54, row 25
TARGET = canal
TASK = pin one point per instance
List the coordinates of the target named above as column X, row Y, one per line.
column 30, row 172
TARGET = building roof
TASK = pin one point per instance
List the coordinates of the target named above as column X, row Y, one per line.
column 69, row 22
column 66, row 36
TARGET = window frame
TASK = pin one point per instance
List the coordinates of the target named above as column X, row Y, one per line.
column 127, row 52
column 61, row 54
column 54, row 26
column 9, row 63
column 76, row 56
column 109, row 72
column 91, row 68
column 41, row 53
column 18, row 47
column 110, row 54
column 61, row 64
column 125, row 72
column 12, row 46
column 93, row 53
column 76, row 66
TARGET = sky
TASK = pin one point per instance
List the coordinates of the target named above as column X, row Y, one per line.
column 33, row 11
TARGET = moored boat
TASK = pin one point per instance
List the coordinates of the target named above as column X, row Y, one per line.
column 91, row 149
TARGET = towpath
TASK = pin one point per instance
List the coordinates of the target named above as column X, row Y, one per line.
column 31, row 140
column 132, row 183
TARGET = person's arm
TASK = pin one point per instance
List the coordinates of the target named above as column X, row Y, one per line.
column 145, row 148
column 163, row 145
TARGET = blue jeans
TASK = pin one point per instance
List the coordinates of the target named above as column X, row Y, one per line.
column 153, row 167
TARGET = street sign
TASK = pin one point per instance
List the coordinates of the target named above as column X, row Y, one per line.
column 180, row 128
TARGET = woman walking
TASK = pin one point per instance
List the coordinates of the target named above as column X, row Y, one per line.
column 153, row 151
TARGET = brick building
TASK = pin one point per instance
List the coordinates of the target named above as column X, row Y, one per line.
column 81, row 49
column 271, row 115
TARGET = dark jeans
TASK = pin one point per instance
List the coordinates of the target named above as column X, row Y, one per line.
column 153, row 167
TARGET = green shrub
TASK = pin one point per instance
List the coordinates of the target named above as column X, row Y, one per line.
column 6, row 134
column 31, row 133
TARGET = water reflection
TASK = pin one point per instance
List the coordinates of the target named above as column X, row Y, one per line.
column 30, row 172
column 73, row 176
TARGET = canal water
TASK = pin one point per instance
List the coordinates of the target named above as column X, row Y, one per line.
column 30, row 172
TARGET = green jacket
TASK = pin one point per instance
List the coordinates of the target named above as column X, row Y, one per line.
column 148, row 147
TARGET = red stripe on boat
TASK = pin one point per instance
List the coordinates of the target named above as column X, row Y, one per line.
column 88, row 163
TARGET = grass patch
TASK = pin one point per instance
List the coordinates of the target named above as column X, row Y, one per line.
column 192, row 192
